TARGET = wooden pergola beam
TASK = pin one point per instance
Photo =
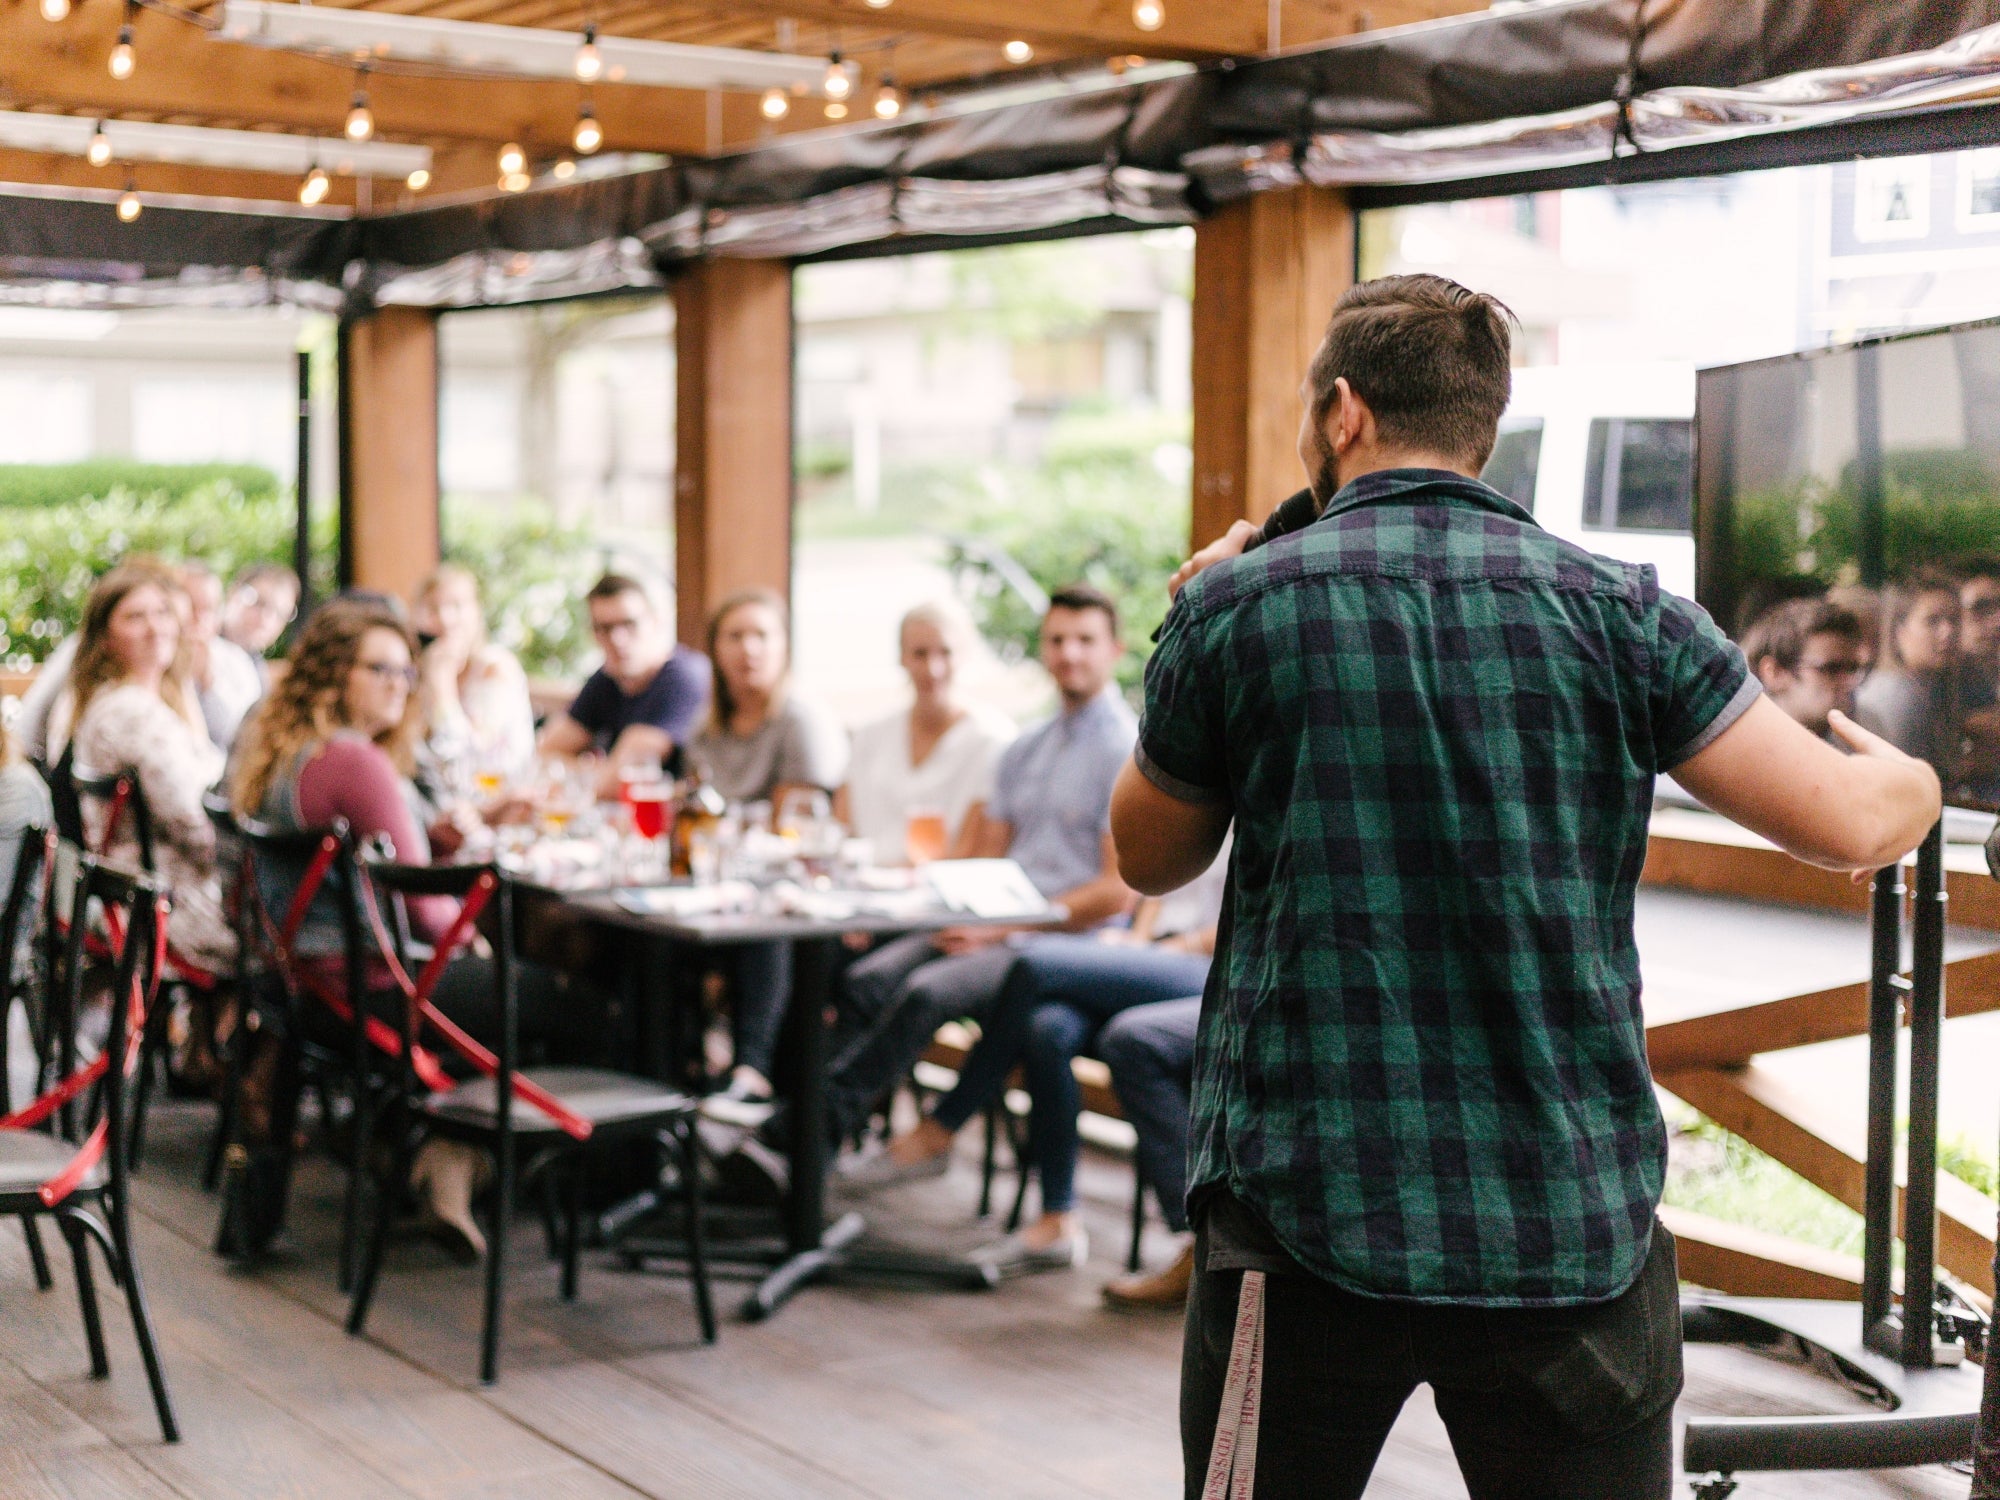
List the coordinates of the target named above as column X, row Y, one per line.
column 389, row 528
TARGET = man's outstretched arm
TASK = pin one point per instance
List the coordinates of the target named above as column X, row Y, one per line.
column 1842, row 812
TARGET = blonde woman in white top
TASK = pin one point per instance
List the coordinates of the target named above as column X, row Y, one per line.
column 934, row 758
column 473, row 693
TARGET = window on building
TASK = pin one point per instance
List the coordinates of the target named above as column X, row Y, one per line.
column 1892, row 199
column 1516, row 460
column 1979, row 190
column 1639, row 475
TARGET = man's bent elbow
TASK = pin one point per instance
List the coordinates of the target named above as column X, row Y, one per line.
column 1890, row 824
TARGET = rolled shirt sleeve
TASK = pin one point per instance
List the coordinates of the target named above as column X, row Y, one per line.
column 1180, row 747
column 1701, row 683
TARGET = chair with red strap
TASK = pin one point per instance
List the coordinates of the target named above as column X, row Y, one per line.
column 44, row 1175
column 27, row 893
column 314, row 1004
column 559, row 1113
column 124, row 803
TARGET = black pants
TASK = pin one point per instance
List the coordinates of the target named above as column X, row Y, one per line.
column 1542, row 1403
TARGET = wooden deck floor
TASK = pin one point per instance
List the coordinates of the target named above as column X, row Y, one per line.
column 1029, row 1393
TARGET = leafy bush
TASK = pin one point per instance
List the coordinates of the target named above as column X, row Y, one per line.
column 50, row 555
column 67, row 484
column 532, row 572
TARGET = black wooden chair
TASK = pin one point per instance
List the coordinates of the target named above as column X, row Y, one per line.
column 44, row 1175
column 24, row 910
column 561, row 1114
column 318, row 1024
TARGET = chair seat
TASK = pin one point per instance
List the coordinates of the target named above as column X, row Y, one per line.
column 28, row 1159
column 597, row 1094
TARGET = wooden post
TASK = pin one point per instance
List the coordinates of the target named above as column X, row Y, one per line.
column 1267, row 271
column 389, row 450
column 733, row 478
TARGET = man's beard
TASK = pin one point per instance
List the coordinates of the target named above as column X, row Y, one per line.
column 1325, row 476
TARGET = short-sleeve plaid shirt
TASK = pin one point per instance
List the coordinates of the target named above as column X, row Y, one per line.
column 1421, row 1059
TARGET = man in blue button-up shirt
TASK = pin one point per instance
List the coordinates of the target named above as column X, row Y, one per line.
column 1051, row 813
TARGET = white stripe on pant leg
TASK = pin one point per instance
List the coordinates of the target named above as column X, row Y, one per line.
column 1232, row 1458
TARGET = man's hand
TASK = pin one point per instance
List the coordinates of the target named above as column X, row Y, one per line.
column 1230, row 544
column 953, row 941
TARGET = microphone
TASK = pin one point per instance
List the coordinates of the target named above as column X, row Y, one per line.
column 1293, row 514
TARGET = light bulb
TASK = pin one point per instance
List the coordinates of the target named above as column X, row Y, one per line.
column 888, row 103
column 54, row 10
column 122, row 60
column 878, row 4
column 128, row 205
column 100, row 147
column 564, row 170
column 1017, row 52
column 512, row 160
column 360, row 123
column 835, row 110
column 314, row 189
column 775, row 105
column 418, row 180
column 1148, row 15
column 588, row 135
column 837, row 84
column 589, row 61
column 515, row 182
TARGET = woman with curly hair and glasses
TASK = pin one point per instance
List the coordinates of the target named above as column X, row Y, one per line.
column 336, row 739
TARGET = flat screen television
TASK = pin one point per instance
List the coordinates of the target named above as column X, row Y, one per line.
column 1862, row 484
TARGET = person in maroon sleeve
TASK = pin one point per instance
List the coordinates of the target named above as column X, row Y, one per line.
column 336, row 740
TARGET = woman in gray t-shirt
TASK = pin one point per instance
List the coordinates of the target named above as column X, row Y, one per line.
column 759, row 740
column 1911, row 698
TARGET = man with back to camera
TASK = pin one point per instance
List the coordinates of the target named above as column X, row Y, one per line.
column 1807, row 654
column 1424, row 1135
column 644, row 702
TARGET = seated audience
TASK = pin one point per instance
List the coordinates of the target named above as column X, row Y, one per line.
column 473, row 693
column 133, row 710
column 1050, row 813
column 336, row 739
column 933, row 759
column 1979, row 673
column 759, row 741
column 639, row 707
column 1150, row 1052
column 1057, row 998
column 1807, row 654
column 262, row 600
column 226, row 680
column 1865, row 604
column 1911, row 697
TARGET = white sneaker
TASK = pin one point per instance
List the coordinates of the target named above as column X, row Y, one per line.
column 1014, row 1256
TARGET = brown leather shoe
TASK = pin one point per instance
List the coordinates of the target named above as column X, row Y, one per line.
column 1164, row 1288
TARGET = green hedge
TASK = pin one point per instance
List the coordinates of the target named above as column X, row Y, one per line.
column 68, row 484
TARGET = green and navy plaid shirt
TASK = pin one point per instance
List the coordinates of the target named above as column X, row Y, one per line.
column 1421, row 1059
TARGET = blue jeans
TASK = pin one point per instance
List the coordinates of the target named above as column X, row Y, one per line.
column 1057, row 996
column 1150, row 1051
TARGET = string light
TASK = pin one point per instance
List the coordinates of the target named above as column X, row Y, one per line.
column 589, row 61
column 1017, row 52
column 837, row 85
column 878, row 4
column 128, row 203
column 418, row 180
column 835, row 110
column 564, row 170
column 122, row 59
column 775, row 105
column 55, row 10
column 360, row 122
column 99, row 152
column 588, row 135
column 315, row 188
column 512, row 160
column 1148, row 15
column 888, row 103
column 515, row 182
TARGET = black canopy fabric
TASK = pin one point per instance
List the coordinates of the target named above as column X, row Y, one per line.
column 1539, row 94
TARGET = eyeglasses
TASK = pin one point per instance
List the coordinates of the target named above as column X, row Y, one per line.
column 390, row 672
column 604, row 630
column 1834, row 668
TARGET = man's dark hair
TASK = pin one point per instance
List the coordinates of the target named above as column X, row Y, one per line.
column 1782, row 631
column 1971, row 565
column 1086, row 596
column 259, row 574
column 1433, row 360
column 612, row 585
